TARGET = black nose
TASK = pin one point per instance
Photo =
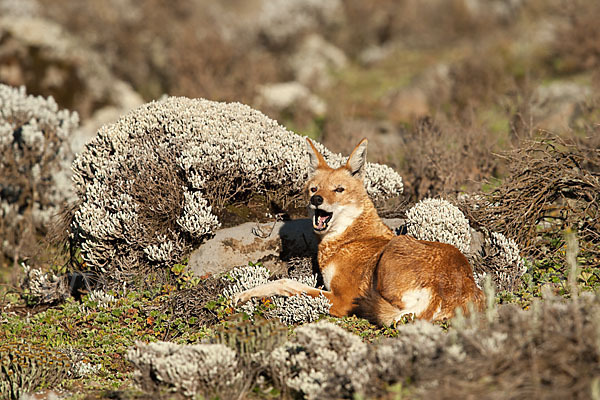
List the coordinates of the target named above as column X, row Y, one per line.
column 316, row 200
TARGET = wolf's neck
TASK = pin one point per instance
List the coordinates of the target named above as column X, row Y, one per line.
column 365, row 225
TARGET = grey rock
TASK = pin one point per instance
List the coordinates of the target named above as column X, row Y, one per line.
column 556, row 105
column 314, row 61
column 272, row 244
column 289, row 95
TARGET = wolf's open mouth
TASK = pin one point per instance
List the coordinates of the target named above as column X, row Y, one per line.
column 322, row 218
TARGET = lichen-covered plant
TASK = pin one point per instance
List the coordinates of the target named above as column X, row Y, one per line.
column 289, row 310
column 507, row 350
column 438, row 220
column 26, row 367
column 393, row 358
column 192, row 370
column 34, row 173
column 322, row 361
column 502, row 261
column 38, row 287
column 148, row 185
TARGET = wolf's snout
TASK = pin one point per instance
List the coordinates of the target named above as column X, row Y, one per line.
column 316, row 200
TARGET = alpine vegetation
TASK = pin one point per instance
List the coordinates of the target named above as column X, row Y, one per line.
column 322, row 361
column 289, row 310
column 438, row 220
column 40, row 287
column 502, row 259
column 192, row 370
column 34, row 173
column 151, row 184
column 485, row 357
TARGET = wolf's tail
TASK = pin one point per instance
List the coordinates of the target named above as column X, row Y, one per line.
column 376, row 309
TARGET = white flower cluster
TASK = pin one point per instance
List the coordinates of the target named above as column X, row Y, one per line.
column 80, row 365
column 222, row 149
column 504, row 260
column 81, row 369
column 192, row 370
column 439, row 221
column 290, row 310
column 34, row 171
column 101, row 298
column 323, row 361
column 283, row 20
column 164, row 249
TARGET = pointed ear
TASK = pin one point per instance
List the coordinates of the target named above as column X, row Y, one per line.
column 358, row 159
column 316, row 159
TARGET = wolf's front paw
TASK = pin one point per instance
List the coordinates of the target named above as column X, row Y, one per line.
column 242, row 297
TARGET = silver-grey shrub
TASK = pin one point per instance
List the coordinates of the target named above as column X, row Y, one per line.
column 148, row 184
column 190, row 370
column 34, row 172
column 322, row 361
column 438, row 220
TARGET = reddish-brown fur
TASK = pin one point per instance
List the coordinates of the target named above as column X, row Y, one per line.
column 368, row 270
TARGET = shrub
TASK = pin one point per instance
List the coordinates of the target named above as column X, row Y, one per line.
column 521, row 352
column 438, row 220
column 576, row 46
column 38, row 287
column 253, row 340
column 502, row 260
column 148, row 184
column 442, row 156
column 507, row 350
column 34, row 170
column 192, row 370
column 552, row 186
column 322, row 361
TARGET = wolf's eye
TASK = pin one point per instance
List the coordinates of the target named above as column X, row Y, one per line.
column 313, row 189
column 339, row 190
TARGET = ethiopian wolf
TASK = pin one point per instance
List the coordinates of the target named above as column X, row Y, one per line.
column 368, row 270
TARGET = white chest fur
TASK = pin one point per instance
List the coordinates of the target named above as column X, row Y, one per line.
column 328, row 274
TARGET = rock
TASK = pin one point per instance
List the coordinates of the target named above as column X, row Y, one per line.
column 289, row 95
column 375, row 54
column 408, row 104
column 282, row 21
column 269, row 244
column 554, row 107
column 314, row 61
column 272, row 244
column 42, row 56
column 19, row 8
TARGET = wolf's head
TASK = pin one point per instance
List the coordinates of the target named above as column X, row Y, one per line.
column 337, row 197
